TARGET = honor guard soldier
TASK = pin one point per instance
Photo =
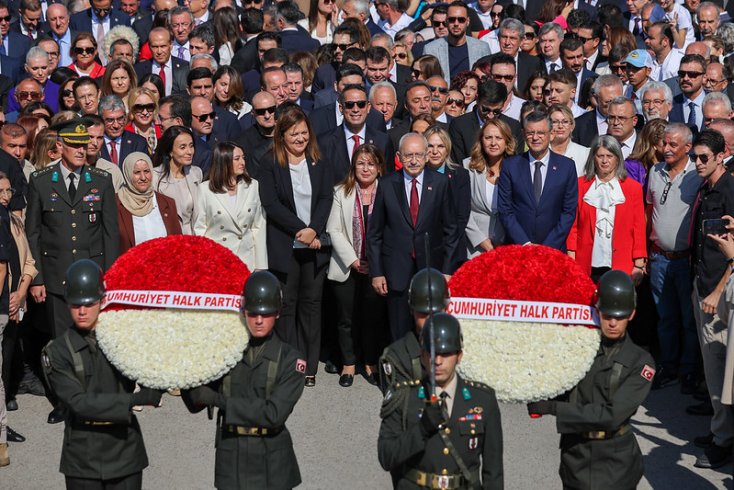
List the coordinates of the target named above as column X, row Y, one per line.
column 72, row 215
column 253, row 447
column 452, row 443
column 428, row 293
column 598, row 448
column 103, row 447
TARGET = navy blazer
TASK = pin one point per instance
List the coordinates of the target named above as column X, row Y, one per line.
column 294, row 41
column 11, row 68
column 180, row 70
column 202, row 156
column 305, row 102
column 586, row 130
column 460, row 188
column 130, row 143
column 276, row 196
column 226, row 125
column 19, row 45
column 323, row 119
column 333, row 146
column 676, row 113
column 393, row 241
column 545, row 223
column 82, row 21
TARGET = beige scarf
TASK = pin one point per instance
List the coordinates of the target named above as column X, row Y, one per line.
column 138, row 203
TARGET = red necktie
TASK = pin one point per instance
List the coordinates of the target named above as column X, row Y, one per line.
column 414, row 201
column 355, row 137
column 162, row 74
column 113, row 152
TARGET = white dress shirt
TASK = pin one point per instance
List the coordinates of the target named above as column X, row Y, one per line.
column 602, row 125
column 669, row 67
column 65, row 172
column 168, row 70
column 408, row 183
column 514, row 108
column 628, row 145
column 543, row 168
column 403, row 21
column 301, row 182
column 350, row 141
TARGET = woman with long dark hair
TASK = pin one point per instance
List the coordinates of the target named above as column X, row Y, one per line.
column 226, row 34
column 321, row 20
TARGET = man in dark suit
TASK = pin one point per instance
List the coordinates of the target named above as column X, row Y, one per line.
column 593, row 123
column 258, row 138
column 464, row 129
column 338, row 146
column 538, row 190
column 410, row 205
column 118, row 143
column 590, row 35
column 295, row 88
column 292, row 38
column 688, row 105
column 98, row 19
column 200, row 82
column 345, row 37
column 14, row 43
column 510, row 36
column 246, row 58
column 172, row 70
column 30, row 15
column 11, row 68
column 572, row 57
column 380, row 67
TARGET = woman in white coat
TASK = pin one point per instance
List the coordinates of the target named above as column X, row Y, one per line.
column 360, row 311
column 563, row 125
column 228, row 208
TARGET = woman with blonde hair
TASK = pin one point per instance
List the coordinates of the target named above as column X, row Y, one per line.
column 494, row 142
column 562, row 126
column 143, row 105
column 44, row 150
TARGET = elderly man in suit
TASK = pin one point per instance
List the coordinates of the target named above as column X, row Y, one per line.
column 13, row 43
column 411, row 206
column 511, row 34
column 538, row 190
column 172, row 70
column 593, row 123
column 57, row 27
column 118, row 143
column 465, row 50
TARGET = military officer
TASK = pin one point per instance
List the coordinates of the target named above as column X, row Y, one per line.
column 103, row 446
column 71, row 215
column 401, row 360
column 598, row 448
column 254, row 447
column 452, row 443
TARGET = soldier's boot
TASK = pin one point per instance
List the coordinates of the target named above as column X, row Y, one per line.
column 4, row 458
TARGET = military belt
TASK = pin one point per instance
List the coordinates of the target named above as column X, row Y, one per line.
column 432, row 481
column 601, row 434
column 252, row 431
column 96, row 422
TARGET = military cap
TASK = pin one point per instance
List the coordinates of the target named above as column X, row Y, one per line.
column 73, row 132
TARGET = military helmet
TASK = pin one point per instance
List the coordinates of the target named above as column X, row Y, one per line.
column 262, row 295
column 84, row 283
column 446, row 334
column 423, row 300
column 616, row 294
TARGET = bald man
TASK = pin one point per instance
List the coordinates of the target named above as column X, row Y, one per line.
column 258, row 138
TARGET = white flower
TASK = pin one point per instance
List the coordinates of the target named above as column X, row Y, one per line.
column 527, row 362
column 172, row 348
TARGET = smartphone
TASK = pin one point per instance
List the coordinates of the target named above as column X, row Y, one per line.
column 715, row 226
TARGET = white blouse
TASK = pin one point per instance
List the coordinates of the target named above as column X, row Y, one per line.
column 301, row 181
column 149, row 226
column 604, row 196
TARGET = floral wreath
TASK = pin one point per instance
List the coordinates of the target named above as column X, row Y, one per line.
column 170, row 316
column 530, row 330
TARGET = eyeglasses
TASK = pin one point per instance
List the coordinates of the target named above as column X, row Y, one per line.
column 618, row 67
column 456, row 20
column 401, row 56
column 666, row 189
column 711, row 81
column 7, row 192
column 689, row 74
column 143, row 107
column 113, row 120
column 614, row 119
column 263, row 110
column 703, row 157
column 344, row 47
column 458, row 102
column 440, row 90
column 653, row 101
column 506, row 78
column 28, row 95
column 204, row 117
column 411, row 157
column 489, row 110
column 84, row 50
column 359, row 103
column 67, row 93
column 439, row 23
column 495, row 15
column 6, row 18
column 561, row 122
column 529, row 35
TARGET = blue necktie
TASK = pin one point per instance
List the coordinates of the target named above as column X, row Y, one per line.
column 692, row 115
column 2, row 47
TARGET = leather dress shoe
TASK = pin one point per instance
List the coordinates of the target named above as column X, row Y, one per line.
column 330, row 367
column 14, row 436
column 57, row 415
column 346, row 380
column 704, row 441
column 11, row 405
column 703, row 408
column 310, row 381
column 714, row 456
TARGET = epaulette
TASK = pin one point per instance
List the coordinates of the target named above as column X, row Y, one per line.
column 477, row 384
column 99, row 171
column 43, row 171
column 406, row 384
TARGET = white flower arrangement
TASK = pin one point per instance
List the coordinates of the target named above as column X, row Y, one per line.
column 169, row 348
column 526, row 362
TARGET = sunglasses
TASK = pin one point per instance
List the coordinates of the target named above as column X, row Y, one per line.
column 456, row 20
column 204, row 117
column 440, row 90
column 458, row 102
column 689, row 74
column 6, row 18
column 344, row 47
column 143, row 107
column 401, row 56
column 529, row 35
column 359, row 103
column 263, row 110
column 618, row 67
column 487, row 110
column 703, row 157
column 85, row 50
column 506, row 78
column 102, row 11
column 28, row 95
column 439, row 23
column 67, row 92
column 251, row 2
column 495, row 15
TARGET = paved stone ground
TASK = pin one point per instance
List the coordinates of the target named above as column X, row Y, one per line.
column 335, row 433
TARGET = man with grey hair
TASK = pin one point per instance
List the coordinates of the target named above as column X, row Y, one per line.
column 622, row 119
column 98, row 20
column 181, row 22
column 293, row 40
column 118, row 143
column 36, row 65
column 360, row 9
column 510, row 36
column 593, row 123
column 716, row 105
column 657, row 101
column 384, row 98
column 429, row 214
column 201, row 40
column 672, row 189
column 726, row 128
column 204, row 60
column 550, row 35
column 392, row 16
column 708, row 17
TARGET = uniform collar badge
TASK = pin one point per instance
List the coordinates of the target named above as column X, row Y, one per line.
column 87, row 177
column 422, row 393
column 466, row 393
column 55, row 176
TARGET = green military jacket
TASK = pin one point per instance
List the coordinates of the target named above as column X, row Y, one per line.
column 594, row 405
column 61, row 230
column 474, row 429
column 102, row 438
column 401, row 362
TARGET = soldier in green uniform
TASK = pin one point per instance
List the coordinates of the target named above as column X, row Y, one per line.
column 400, row 362
column 452, row 443
column 103, row 447
column 598, row 448
column 254, row 447
column 71, row 215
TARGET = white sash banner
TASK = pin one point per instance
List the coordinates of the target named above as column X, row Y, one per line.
column 173, row 299
column 523, row 311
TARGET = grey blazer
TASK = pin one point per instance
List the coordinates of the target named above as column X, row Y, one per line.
column 483, row 222
column 440, row 49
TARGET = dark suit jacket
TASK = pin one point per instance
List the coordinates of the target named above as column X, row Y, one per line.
column 142, row 25
column 82, row 21
column 325, row 96
column 256, row 146
column 226, row 126
column 130, row 143
column 5, row 85
column 11, row 68
column 323, row 119
column 167, row 208
column 306, row 102
column 294, row 41
column 527, row 66
column 676, row 113
column 465, row 128
column 19, row 45
column 202, row 156
column 586, row 130
column 246, row 59
column 460, row 187
column 548, row 222
column 276, row 196
column 180, row 70
column 324, row 77
column 333, row 146
column 9, row 166
column 372, row 27
column 394, row 243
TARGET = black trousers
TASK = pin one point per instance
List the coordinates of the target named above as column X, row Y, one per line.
column 361, row 319
column 398, row 312
column 58, row 317
column 130, row 482
column 300, row 318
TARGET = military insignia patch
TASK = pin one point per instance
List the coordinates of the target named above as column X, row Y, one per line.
column 387, row 367
column 92, row 217
column 54, row 197
column 466, row 393
column 300, row 365
column 45, row 361
column 388, row 395
column 473, row 442
column 648, row 373
column 478, row 409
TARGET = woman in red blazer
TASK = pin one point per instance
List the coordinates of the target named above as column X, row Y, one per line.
column 142, row 213
column 609, row 230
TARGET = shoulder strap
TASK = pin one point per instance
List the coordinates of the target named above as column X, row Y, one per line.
column 78, row 363
column 272, row 373
column 417, row 368
column 227, row 385
column 614, row 379
column 468, row 475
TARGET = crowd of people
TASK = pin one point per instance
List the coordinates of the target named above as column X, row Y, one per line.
column 345, row 145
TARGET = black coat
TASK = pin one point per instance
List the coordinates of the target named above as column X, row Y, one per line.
column 246, row 59
column 465, row 128
column 527, row 66
column 323, row 119
column 586, row 130
column 180, row 70
column 256, row 146
column 129, row 143
column 333, row 147
column 294, row 41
